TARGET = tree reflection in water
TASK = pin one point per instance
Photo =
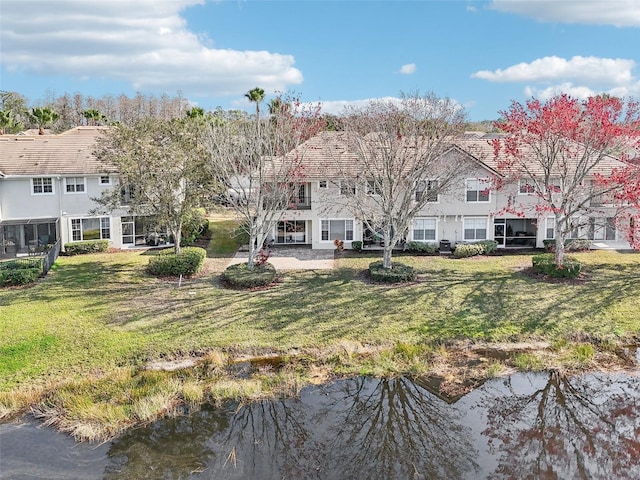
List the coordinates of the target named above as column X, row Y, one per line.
column 564, row 428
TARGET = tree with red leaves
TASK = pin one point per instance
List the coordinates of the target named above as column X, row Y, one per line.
column 574, row 156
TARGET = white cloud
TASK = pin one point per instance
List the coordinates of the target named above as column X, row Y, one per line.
column 591, row 70
column 580, row 91
column 144, row 43
column 620, row 13
column 408, row 69
column 337, row 107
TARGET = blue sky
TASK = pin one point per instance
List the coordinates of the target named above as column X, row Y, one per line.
column 483, row 53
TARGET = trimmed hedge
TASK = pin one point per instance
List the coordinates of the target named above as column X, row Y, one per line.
column 398, row 273
column 166, row 263
column 570, row 245
column 240, row 276
column 88, row 246
column 545, row 263
column 357, row 245
column 421, row 247
column 18, row 276
column 465, row 250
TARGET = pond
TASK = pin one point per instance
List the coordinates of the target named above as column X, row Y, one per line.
column 541, row 425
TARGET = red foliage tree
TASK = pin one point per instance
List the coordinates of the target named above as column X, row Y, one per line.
column 575, row 156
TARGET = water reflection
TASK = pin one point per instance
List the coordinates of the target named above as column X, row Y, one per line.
column 585, row 427
column 525, row 426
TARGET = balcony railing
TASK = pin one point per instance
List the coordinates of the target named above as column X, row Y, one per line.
column 299, row 203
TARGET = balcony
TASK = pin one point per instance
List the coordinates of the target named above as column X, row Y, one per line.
column 299, row 203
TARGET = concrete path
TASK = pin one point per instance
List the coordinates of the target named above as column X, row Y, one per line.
column 294, row 258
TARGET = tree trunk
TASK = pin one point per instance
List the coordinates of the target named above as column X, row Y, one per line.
column 386, row 255
column 559, row 253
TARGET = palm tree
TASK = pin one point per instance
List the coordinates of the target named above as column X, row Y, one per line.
column 92, row 115
column 42, row 117
column 8, row 122
column 256, row 95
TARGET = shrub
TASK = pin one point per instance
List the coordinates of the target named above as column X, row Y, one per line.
column 188, row 262
column 240, row 276
column 465, row 250
column 88, row 246
column 195, row 225
column 18, row 276
column 545, row 264
column 399, row 272
column 421, row 247
column 357, row 245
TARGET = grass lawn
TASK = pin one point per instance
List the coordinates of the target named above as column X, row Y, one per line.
column 98, row 313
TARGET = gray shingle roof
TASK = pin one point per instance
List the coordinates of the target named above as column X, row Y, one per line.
column 70, row 152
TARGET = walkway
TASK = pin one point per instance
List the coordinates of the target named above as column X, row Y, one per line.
column 294, row 258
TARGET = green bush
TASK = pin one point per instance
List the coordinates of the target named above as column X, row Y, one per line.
column 88, row 246
column 464, row 250
column 194, row 226
column 166, row 263
column 19, row 276
column 240, row 276
column 357, row 245
column 489, row 246
column 421, row 247
column 467, row 250
column 545, row 264
column 399, row 272
column 21, row 263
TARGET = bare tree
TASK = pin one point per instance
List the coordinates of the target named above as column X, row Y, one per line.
column 392, row 157
column 252, row 164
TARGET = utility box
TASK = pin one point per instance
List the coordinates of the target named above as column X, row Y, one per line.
column 445, row 246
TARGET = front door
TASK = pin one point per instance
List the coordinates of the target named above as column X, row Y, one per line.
column 499, row 236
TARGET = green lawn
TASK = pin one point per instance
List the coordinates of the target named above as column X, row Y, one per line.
column 96, row 312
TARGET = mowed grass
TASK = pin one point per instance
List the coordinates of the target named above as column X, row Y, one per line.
column 100, row 312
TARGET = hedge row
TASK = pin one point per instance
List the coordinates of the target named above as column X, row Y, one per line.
column 18, row 276
column 545, row 263
column 399, row 272
column 484, row 247
column 240, row 276
column 21, row 263
column 166, row 263
column 88, row 246
column 421, row 247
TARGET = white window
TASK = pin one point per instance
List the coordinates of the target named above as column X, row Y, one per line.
column 428, row 188
column 424, row 229
column 347, row 187
column 373, row 188
column 336, row 230
column 526, row 186
column 478, row 190
column 74, row 185
column 90, row 228
column 555, row 185
column 475, row 228
column 323, row 184
column 550, row 229
column 42, row 186
column 105, row 180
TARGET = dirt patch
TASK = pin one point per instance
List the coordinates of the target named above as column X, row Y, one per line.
column 581, row 279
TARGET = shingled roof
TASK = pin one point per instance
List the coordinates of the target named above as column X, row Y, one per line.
column 67, row 153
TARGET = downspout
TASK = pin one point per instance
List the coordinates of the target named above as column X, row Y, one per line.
column 60, row 213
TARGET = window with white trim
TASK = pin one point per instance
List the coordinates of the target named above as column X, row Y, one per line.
column 373, row 188
column 98, row 228
column 347, row 187
column 550, row 228
column 424, row 229
column 475, row 228
column 526, row 186
column 336, row 229
column 105, row 180
column 74, row 185
column 323, row 184
column 478, row 190
column 42, row 186
column 428, row 188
